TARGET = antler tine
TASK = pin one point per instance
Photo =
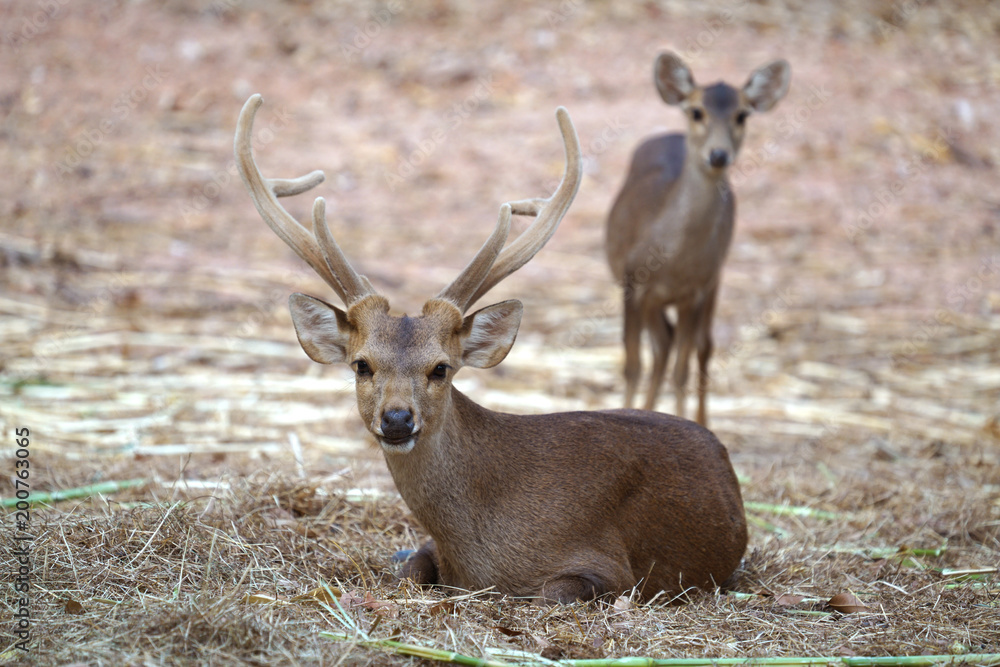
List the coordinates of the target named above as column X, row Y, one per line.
column 460, row 289
column 351, row 285
column 549, row 212
column 317, row 248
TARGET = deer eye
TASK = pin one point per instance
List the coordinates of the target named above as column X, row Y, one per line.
column 362, row 368
column 741, row 117
column 440, row 372
column 697, row 114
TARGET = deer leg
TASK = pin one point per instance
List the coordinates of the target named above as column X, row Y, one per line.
column 685, row 344
column 573, row 588
column 632, row 336
column 661, row 334
column 705, row 346
column 422, row 566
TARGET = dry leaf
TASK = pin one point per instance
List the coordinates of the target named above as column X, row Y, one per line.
column 325, row 594
column 352, row 600
column 846, row 603
column 261, row 598
column 788, row 599
column 445, row 607
column 74, row 607
column 622, row 603
column 507, row 631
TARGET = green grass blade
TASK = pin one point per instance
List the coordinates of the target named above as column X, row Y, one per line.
column 981, row 659
column 400, row 648
column 791, row 510
column 78, row 492
column 766, row 525
column 414, row 650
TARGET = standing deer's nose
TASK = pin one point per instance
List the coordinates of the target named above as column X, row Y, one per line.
column 397, row 424
column 718, row 158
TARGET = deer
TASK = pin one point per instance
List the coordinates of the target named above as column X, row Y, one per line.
column 554, row 508
column 671, row 224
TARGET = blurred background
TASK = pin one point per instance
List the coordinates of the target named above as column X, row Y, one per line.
column 143, row 302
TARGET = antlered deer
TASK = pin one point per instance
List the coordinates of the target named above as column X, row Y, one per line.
column 670, row 226
column 555, row 507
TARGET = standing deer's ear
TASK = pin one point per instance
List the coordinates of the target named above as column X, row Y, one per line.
column 488, row 334
column 767, row 85
column 673, row 78
column 323, row 330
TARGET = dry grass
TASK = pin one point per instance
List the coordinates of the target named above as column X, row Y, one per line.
column 164, row 577
column 144, row 333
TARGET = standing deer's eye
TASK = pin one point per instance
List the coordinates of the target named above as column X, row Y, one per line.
column 362, row 368
column 697, row 114
column 741, row 117
column 440, row 372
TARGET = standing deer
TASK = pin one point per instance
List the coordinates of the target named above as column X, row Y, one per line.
column 670, row 226
column 557, row 507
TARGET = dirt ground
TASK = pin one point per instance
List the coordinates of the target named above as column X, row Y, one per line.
column 144, row 331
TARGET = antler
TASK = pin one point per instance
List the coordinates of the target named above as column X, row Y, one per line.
column 317, row 247
column 490, row 265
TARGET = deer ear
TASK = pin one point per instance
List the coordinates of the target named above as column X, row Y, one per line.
column 767, row 85
column 323, row 330
column 488, row 334
column 673, row 78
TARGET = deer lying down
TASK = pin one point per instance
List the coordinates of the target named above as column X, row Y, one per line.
column 558, row 507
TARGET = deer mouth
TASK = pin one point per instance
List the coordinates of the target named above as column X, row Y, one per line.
column 398, row 445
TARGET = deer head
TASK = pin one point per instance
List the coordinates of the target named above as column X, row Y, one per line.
column 716, row 114
column 404, row 365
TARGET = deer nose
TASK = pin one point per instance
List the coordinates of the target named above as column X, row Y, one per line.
column 718, row 158
column 397, row 424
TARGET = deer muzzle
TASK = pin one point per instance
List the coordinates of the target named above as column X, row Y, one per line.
column 397, row 431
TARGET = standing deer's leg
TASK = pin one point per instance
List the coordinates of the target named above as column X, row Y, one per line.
column 705, row 345
column 633, row 336
column 661, row 334
column 686, row 320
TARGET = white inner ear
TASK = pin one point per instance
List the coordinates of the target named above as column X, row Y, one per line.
column 673, row 79
column 767, row 86
column 488, row 334
column 323, row 330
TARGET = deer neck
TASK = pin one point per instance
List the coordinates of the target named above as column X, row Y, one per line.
column 699, row 193
column 452, row 472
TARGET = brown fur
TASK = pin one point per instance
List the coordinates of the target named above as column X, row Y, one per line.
column 672, row 222
column 561, row 506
